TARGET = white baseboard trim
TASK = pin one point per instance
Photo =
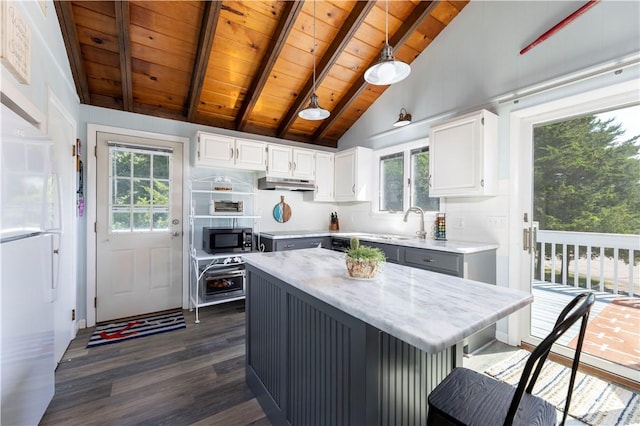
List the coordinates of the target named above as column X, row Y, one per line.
column 503, row 337
column 81, row 324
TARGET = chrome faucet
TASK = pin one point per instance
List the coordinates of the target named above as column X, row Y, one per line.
column 421, row 233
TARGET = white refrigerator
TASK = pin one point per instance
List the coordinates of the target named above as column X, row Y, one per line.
column 28, row 196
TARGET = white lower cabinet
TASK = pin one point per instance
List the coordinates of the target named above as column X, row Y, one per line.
column 353, row 174
column 463, row 154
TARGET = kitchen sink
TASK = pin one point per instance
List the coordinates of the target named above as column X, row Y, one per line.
column 390, row 237
column 395, row 237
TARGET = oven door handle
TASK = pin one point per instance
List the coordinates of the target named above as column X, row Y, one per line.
column 227, row 275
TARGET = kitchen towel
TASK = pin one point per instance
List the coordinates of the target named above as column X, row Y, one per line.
column 133, row 328
column 594, row 401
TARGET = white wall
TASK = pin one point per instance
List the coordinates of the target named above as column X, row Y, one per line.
column 472, row 63
column 49, row 65
column 476, row 58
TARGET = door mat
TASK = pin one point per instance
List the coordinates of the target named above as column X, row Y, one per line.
column 594, row 401
column 133, row 328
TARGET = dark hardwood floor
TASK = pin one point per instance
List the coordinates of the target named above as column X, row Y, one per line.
column 194, row 376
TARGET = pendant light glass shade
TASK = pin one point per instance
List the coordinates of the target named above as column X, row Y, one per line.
column 314, row 111
column 387, row 70
column 403, row 119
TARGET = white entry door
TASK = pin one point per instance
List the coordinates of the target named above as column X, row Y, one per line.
column 139, row 226
column 554, row 293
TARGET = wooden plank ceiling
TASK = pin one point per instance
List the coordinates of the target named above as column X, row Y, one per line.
column 242, row 65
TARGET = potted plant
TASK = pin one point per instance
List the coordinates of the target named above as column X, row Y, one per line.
column 363, row 261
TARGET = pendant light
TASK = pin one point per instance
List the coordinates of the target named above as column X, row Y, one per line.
column 314, row 111
column 403, row 119
column 387, row 70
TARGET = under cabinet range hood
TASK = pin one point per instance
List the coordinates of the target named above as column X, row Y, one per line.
column 285, row 184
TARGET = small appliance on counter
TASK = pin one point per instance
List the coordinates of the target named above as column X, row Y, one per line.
column 227, row 240
column 226, row 207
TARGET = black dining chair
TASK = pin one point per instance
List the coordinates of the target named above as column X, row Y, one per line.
column 466, row 397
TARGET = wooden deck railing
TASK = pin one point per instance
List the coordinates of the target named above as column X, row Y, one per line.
column 589, row 256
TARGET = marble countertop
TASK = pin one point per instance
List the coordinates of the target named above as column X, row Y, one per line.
column 462, row 247
column 428, row 310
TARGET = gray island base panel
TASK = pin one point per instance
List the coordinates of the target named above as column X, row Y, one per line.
column 323, row 348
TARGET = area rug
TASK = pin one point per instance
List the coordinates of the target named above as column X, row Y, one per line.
column 133, row 328
column 594, row 401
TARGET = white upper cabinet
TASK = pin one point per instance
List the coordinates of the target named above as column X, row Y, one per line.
column 288, row 162
column 324, row 177
column 228, row 152
column 214, row 150
column 353, row 174
column 463, row 156
column 251, row 155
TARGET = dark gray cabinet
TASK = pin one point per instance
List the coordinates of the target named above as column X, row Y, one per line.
column 479, row 266
column 392, row 252
column 283, row 244
column 309, row 363
column 432, row 260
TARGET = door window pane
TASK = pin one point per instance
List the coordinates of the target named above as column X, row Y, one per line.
column 140, row 188
column 586, row 211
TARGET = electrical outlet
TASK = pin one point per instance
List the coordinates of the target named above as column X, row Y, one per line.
column 497, row 222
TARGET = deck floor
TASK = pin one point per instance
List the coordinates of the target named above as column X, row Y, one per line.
column 550, row 299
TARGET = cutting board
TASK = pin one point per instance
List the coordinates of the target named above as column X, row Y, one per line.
column 282, row 211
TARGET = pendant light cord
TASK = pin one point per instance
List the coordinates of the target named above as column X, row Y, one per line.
column 314, row 46
column 386, row 23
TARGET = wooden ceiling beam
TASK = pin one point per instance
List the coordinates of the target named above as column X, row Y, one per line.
column 123, row 22
column 64, row 11
column 419, row 14
column 340, row 41
column 289, row 15
column 207, row 33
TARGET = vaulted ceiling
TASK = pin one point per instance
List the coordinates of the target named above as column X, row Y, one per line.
column 242, row 65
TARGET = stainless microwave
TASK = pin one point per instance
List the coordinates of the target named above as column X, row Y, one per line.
column 227, row 240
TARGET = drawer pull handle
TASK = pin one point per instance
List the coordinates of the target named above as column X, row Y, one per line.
column 429, row 260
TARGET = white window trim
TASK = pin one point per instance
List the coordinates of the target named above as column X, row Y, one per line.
column 405, row 148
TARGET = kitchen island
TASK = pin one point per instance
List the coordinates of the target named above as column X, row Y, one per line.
column 323, row 348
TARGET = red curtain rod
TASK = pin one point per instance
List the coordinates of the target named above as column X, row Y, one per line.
column 559, row 25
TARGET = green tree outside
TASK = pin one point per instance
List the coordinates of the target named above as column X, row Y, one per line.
column 587, row 179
